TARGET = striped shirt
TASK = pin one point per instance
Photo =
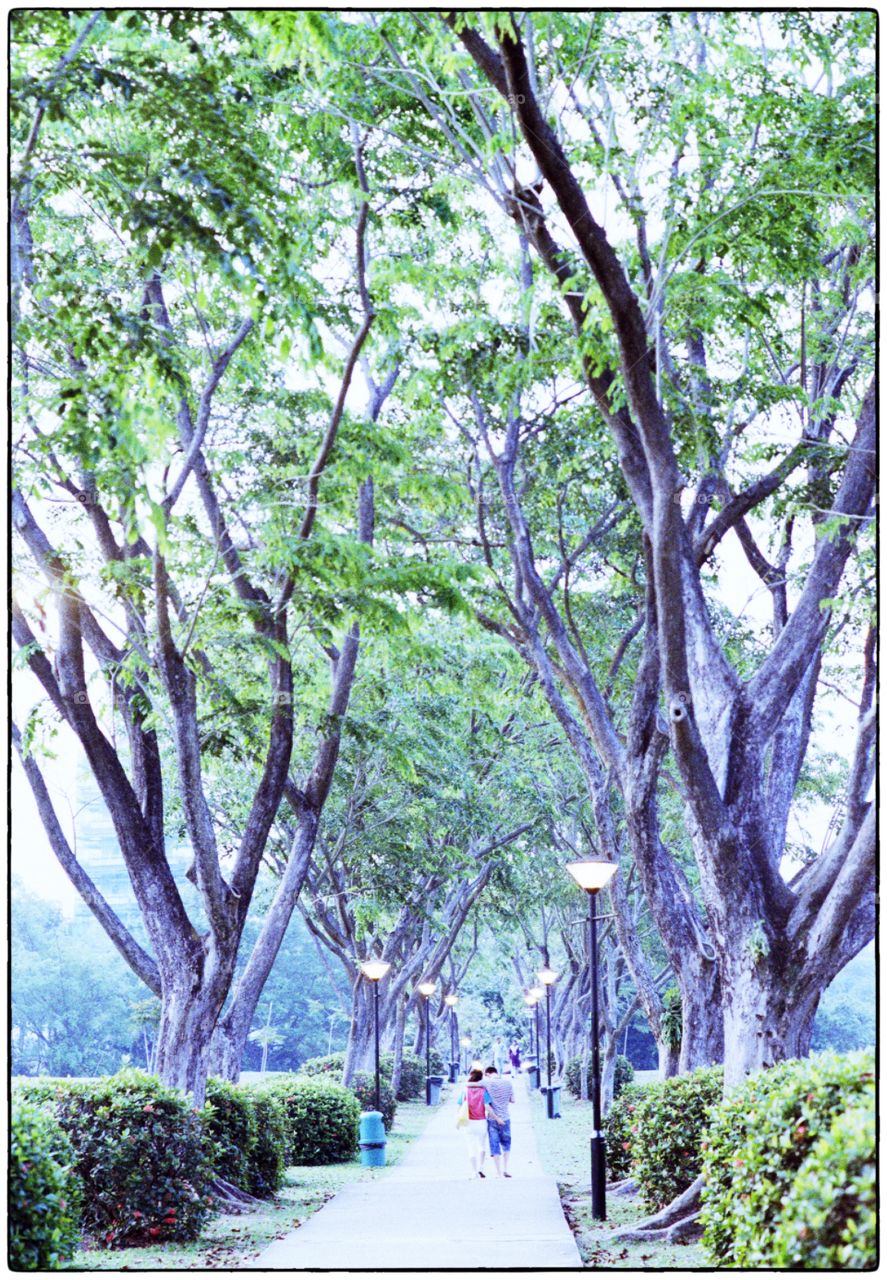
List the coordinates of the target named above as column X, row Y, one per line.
column 501, row 1093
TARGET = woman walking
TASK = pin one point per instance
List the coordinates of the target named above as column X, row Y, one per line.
column 477, row 1098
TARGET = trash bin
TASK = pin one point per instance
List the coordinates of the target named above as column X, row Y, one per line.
column 454, row 1072
column 554, row 1110
column 533, row 1077
column 433, row 1085
column 372, row 1139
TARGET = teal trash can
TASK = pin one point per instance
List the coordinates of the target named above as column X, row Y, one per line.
column 435, row 1084
column 533, row 1077
column 372, row 1139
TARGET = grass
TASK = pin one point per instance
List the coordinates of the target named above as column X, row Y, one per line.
column 564, row 1150
column 233, row 1240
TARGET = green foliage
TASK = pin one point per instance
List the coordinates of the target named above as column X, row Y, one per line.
column 669, row 1123
column 322, row 1119
column 140, row 1152
column 619, row 1125
column 671, row 1018
column 758, row 1143
column 412, row 1075
column 231, row 1124
column 43, row 1189
column 623, row 1074
column 363, row 1085
column 330, row 1065
column 267, row 1158
column 829, row 1219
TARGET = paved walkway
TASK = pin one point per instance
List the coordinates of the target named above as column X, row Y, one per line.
column 428, row 1213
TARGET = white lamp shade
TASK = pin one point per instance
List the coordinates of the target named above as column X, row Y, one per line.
column 530, row 1000
column 427, row 988
column 536, row 992
column 450, row 1000
column 374, row 969
column 547, row 977
column 465, row 1042
column 594, row 874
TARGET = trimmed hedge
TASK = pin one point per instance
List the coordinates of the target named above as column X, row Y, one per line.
column 267, row 1159
column 617, row 1131
column 759, row 1142
column 44, row 1191
column 230, row 1120
column 829, row 1222
column 667, row 1133
column 412, row 1076
column 331, row 1065
column 322, row 1119
column 623, row 1075
column 141, row 1153
column 363, row 1085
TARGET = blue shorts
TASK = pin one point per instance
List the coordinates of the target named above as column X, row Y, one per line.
column 500, row 1136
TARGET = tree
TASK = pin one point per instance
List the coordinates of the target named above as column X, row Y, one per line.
column 152, row 319
column 785, row 286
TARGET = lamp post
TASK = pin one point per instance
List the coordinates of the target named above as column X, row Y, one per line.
column 592, row 876
column 466, row 1045
column 374, row 970
column 427, row 989
column 530, row 1002
column 548, row 978
column 451, row 1001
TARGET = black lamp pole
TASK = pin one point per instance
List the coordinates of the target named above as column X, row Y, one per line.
column 427, row 1052
column 376, row 1021
column 598, row 1143
column 549, row 1096
column 538, row 1054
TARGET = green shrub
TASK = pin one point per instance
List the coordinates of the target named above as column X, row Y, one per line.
column 322, row 1119
column 617, row 1132
column 331, row 1065
column 363, row 1085
column 623, row 1075
column 412, row 1075
column 141, row 1153
column 267, row 1159
column 667, row 1133
column 44, row 1191
column 758, row 1143
column 829, row 1221
column 230, row 1120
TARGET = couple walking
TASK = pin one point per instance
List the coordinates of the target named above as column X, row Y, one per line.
column 484, row 1105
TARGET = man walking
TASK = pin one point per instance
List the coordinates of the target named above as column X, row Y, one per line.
column 501, row 1093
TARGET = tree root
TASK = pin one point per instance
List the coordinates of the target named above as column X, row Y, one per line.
column 681, row 1213
column 624, row 1187
column 231, row 1199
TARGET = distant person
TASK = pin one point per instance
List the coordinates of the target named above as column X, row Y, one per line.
column 501, row 1094
column 498, row 1054
column 479, row 1107
column 514, row 1055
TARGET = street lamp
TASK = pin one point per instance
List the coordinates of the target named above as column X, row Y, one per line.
column 592, row 876
column 451, row 1001
column 427, row 989
column 466, row 1045
column 374, row 970
column 548, row 978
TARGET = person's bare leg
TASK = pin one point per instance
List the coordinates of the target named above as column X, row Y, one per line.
column 496, row 1160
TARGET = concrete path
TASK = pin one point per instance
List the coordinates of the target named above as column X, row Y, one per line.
column 428, row 1213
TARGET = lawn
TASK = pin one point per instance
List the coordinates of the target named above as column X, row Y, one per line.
column 233, row 1240
column 564, row 1149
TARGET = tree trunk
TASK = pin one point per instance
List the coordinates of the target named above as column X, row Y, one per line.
column 189, row 1011
column 359, row 1053
column 399, row 1021
column 765, row 1020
